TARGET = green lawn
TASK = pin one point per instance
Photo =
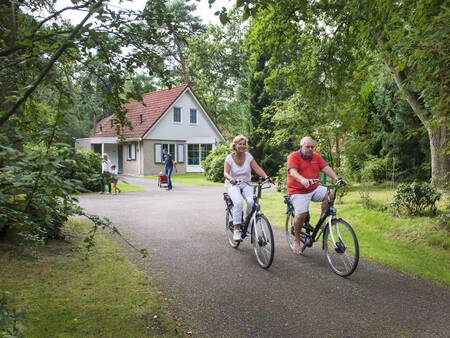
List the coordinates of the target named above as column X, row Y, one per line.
column 197, row 179
column 66, row 296
column 418, row 246
column 129, row 187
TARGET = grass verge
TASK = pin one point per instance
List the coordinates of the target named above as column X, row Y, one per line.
column 196, row 179
column 66, row 296
column 418, row 246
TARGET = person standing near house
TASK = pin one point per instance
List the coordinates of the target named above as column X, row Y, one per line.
column 115, row 180
column 106, row 174
column 169, row 166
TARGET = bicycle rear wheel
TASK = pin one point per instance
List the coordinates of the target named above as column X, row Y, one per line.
column 341, row 248
column 289, row 229
column 229, row 228
column 263, row 242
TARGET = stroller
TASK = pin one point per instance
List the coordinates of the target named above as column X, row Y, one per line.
column 162, row 181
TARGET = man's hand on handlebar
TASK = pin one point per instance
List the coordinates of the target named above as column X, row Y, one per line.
column 340, row 182
column 308, row 181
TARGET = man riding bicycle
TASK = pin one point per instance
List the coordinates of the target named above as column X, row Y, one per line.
column 304, row 167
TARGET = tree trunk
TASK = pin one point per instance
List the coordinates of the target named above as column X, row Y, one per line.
column 438, row 135
column 439, row 157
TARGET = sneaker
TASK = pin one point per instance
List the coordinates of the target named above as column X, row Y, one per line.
column 237, row 235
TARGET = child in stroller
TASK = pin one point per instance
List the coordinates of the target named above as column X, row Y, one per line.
column 162, row 180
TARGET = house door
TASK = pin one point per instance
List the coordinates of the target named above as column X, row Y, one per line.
column 120, row 158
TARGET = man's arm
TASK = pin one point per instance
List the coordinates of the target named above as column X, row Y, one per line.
column 294, row 173
column 330, row 172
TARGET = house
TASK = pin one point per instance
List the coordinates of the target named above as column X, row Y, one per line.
column 173, row 119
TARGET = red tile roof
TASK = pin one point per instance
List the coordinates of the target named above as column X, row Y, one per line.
column 152, row 107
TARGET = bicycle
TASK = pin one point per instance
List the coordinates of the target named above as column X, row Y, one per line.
column 339, row 240
column 260, row 230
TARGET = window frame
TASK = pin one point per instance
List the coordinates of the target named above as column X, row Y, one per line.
column 196, row 117
column 173, row 116
column 132, row 151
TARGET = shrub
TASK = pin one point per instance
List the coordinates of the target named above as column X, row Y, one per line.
column 12, row 321
column 36, row 184
column 415, row 198
column 83, row 166
column 374, row 170
column 213, row 163
column 282, row 177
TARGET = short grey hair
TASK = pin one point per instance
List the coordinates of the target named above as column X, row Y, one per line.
column 306, row 138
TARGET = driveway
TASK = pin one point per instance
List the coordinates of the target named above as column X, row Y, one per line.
column 222, row 292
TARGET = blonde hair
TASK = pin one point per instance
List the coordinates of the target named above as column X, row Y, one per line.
column 236, row 140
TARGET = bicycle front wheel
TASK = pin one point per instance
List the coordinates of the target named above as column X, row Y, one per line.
column 263, row 242
column 229, row 228
column 290, row 231
column 341, row 248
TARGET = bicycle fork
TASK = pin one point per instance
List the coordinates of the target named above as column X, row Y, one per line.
column 339, row 245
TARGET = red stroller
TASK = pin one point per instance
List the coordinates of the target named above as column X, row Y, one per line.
column 162, row 181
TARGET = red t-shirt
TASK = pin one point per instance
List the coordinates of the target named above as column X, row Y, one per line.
column 306, row 168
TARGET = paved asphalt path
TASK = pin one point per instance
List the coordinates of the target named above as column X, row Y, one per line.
column 222, row 292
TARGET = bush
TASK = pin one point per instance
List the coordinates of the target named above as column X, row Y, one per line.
column 36, row 186
column 83, row 166
column 12, row 321
column 282, row 177
column 374, row 170
column 213, row 164
column 415, row 198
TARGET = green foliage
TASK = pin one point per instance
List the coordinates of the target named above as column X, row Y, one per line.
column 282, row 178
column 219, row 75
column 83, row 166
column 374, row 170
column 36, row 187
column 213, row 164
column 12, row 321
column 415, row 198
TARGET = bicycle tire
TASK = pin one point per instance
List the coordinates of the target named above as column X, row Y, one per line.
column 289, row 230
column 263, row 242
column 229, row 228
column 342, row 255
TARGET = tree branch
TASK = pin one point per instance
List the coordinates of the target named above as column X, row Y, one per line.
column 49, row 66
column 55, row 15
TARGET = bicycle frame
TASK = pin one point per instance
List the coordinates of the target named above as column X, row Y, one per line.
column 330, row 211
column 256, row 210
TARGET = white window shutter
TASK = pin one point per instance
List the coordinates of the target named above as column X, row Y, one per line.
column 158, row 152
column 180, row 152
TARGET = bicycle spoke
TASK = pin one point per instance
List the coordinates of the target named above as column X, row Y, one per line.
column 263, row 245
column 341, row 248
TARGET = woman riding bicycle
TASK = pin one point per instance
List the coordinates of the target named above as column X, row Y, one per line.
column 237, row 172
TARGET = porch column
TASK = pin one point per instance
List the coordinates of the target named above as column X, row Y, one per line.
column 103, row 149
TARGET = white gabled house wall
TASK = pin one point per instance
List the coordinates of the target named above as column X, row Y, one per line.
column 191, row 140
column 195, row 136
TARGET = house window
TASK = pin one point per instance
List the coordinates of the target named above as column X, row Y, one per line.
column 205, row 149
column 131, row 151
column 101, row 128
column 197, row 153
column 112, row 123
column 159, row 158
column 176, row 115
column 193, row 116
column 193, row 154
column 141, row 118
